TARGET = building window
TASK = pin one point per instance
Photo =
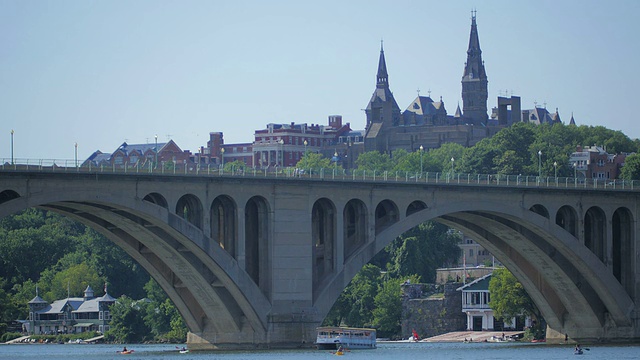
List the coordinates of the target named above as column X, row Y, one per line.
column 470, row 252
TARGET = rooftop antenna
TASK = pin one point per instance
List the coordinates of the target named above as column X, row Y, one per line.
column 535, row 104
column 418, row 91
column 169, row 136
column 429, row 92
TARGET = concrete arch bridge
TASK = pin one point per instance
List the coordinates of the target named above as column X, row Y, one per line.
column 257, row 260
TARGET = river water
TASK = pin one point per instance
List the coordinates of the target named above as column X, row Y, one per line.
column 385, row 351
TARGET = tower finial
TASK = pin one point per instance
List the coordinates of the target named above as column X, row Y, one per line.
column 381, row 44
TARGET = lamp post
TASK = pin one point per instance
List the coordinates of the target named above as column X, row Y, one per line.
column 452, row 160
column 575, row 171
column 335, row 157
column 281, row 142
column 12, row 146
column 421, row 150
column 539, row 164
column 305, row 147
column 555, row 168
column 222, row 158
column 76, row 155
column 155, row 163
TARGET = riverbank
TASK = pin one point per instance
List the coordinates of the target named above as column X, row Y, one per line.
column 480, row 336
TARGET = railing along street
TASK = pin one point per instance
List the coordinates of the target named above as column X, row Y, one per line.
column 327, row 174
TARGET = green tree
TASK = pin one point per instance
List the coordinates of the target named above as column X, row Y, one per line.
column 355, row 305
column 423, row 249
column 127, row 321
column 439, row 160
column 313, row 162
column 509, row 299
column 631, row 168
column 234, row 166
column 374, row 161
column 9, row 309
column 387, row 314
column 71, row 280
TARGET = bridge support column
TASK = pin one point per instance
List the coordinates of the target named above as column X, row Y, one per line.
column 285, row 331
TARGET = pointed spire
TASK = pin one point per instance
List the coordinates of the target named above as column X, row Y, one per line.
column 572, row 121
column 474, row 67
column 458, row 113
column 383, row 77
column 474, row 80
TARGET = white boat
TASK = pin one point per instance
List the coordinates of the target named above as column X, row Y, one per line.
column 331, row 338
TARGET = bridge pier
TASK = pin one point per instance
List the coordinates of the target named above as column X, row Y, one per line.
column 286, row 331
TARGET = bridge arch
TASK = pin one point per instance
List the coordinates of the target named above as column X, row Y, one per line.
column 575, row 291
column 386, row 214
column 201, row 280
column 224, row 229
column 189, row 207
column 7, row 195
column 257, row 259
column 323, row 234
column 623, row 250
column 567, row 218
column 540, row 210
column 414, row 207
column 355, row 226
column 156, row 198
column 595, row 236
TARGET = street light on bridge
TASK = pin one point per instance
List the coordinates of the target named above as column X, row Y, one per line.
column 76, row 155
column 281, row 142
column 539, row 164
column 555, row 168
column 452, row 160
column 421, row 151
column 222, row 158
column 12, row 146
column 155, row 164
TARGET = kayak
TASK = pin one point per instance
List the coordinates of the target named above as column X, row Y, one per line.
column 578, row 352
column 126, row 352
column 184, row 351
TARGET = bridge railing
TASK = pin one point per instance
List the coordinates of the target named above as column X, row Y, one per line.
column 326, row 174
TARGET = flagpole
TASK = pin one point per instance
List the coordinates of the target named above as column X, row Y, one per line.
column 464, row 269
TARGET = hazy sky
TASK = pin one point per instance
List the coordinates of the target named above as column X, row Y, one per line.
column 102, row 72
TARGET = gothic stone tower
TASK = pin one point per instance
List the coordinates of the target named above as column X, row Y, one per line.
column 474, row 81
column 382, row 111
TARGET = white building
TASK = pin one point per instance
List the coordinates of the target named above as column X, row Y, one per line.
column 475, row 304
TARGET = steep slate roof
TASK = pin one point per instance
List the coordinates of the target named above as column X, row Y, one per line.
column 57, row 306
column 37, row 300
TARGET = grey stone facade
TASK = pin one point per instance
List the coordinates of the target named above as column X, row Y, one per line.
column 431, row 315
